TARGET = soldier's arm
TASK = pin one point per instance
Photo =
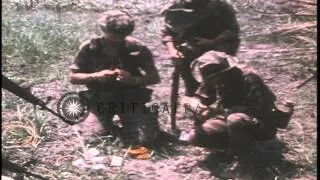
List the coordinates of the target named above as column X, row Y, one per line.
column 77, row 77
column 232, row 28
column 167, row 38
column 226, row 35
column 81, row 78
column 79, row 72
column 230, row 34
column 228, row 23
column 167, row 35
column 147, row 65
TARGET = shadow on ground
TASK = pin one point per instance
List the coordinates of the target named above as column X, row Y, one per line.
column 265, row 161
column 166, row 145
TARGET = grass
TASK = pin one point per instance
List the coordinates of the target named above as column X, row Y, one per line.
column 293, row 26
column 24, row 130
column 36, row 40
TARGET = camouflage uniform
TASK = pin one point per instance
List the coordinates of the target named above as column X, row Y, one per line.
column 243, row 104
column 184, row 24
column 112, row 97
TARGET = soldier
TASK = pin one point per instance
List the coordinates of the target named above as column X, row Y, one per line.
column 116, row 68
column 238, row 107
column 193, row 27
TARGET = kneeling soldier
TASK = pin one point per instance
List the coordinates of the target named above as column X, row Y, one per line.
column 239, row 107
column 116, row 68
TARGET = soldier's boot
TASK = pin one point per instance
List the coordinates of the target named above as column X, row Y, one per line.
column 141, row 129
column 130, row 138
column 149, row 128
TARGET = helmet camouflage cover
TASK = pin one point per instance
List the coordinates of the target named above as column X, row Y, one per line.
column 208, row 64
column 116, row 22
column 211, row 66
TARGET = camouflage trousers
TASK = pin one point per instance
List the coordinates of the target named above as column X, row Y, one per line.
column 139, row 124
column 236, row 132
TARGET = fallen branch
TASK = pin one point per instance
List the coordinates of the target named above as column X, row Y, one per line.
column 305, row 81
column 13, row 167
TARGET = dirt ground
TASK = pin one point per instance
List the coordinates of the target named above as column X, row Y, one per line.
column 291, row 156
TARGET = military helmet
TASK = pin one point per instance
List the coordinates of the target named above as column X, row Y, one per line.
column 213, row 66
column 116, row 22
column 208, row 64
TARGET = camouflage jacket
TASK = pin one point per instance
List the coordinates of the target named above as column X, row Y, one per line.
column 243, row 92
column 134, row 57
column 182, row 24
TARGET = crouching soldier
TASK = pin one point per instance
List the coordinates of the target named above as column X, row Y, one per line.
column 239, row 108
column 116, row 68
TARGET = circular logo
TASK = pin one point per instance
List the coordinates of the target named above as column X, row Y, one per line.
column 73, row 107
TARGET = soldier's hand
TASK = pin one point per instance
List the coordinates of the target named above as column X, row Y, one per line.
column 202, row 115
column 104, row 74
column 208, row 112
column 125, row 77
column 176, row 58
column 202, row 107
column 176, row 55
column 122, row 74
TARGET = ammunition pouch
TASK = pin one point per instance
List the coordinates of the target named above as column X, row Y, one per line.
column 280, row 118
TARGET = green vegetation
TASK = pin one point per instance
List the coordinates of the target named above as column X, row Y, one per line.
column 36, row 40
